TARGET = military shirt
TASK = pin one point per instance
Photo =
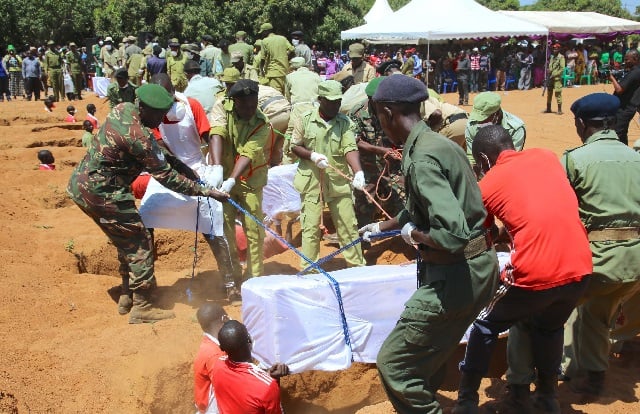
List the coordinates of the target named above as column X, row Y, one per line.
column 110, row 59
column 364, row 73
column 52, row 61
column 303, row 51
column 514, row 125
column 213, row 54
column 367, row 129
column 556, row 66
column 605, row 175
column 334, row 139
column 407, row 66
column 301, row 86
column 243, row 138
column 443, row 197
column 244, row 48
column 175, row 69
column 117, row 95
column 275, row 54
column 74, row 61
column 121, row 150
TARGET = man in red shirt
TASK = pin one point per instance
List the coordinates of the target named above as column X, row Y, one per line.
column 240, row 386
column 529, row 192
column 211, row 317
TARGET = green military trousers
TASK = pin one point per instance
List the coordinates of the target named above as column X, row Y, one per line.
column 77, row 84
column 586, row 336
column 344, row 219
column 57, row 84
column 630, row 327
column 412, row 360
column 250, row 199
column 555, row 85
column 123, row 226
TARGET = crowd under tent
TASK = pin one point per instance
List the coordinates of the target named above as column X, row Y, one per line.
column 565, row 25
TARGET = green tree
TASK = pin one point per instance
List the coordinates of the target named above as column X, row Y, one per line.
column 501, row 4
column 609, row 7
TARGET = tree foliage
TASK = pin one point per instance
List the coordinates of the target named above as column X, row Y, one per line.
column 501, row 4
column 609, row 7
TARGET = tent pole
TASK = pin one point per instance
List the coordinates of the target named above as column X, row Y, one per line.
column 546, row 64
column 426, row 78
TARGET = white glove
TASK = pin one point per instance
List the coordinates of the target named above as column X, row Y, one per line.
column 227, row 185
column 319, row 159
column 214, row 175
column 406, row 233
column 358, row 181
column 368, row 230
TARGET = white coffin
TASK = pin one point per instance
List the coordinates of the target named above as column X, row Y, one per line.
column 295, row 320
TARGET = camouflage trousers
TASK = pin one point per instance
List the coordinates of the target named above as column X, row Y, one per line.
column 123, row 226
column 389, row 194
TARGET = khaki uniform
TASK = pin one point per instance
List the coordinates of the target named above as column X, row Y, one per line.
column 110, row 61
column 275, row 55
column 244, row 48
column 454, row 119
column 175, row 70
column 277, row 109
column 53, row 67
column 301, row 89
column 334, row 139
column 554, row 82
column 134, row 62
column 244, row 138
column 364, row 73
column 75, row 70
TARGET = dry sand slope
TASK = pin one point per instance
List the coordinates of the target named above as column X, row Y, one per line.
column 65, row 349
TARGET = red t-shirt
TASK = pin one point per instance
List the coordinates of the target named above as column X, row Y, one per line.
column 93, row 120
column 243, row 388
column 208, row 354
column 529, row 192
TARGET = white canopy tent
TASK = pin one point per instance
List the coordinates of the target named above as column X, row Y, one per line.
column 565, row 23
column 425, row 21
column 379, row 10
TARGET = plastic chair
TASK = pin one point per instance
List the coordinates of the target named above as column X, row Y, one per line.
column 587, row 75
column 491, row 80
column 568, row 76
column 509, row 79
column 449, row 80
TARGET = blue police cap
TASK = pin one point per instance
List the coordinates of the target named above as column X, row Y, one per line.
column 596, row 106
column 401, row 88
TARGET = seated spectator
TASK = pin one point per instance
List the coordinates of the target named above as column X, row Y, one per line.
column 87, row 137
column 47, row 162
column 71, row 111
column 91, row 115
column 211, row 317
column 240, row 386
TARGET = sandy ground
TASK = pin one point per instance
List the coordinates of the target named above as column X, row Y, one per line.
column 65, row 349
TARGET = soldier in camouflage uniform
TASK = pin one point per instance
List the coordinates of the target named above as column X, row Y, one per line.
column 101, row 186
column 375, row 151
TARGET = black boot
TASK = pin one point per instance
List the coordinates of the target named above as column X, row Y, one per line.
column 559, row 109
column 468, row 398
column 546, row 395
column 517, row 400
column 592, row 385
column 548, row 110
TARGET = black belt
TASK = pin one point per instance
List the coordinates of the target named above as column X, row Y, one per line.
column 475, row 247
column 456, row 117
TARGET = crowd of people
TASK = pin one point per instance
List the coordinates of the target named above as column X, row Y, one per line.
column 368, row 130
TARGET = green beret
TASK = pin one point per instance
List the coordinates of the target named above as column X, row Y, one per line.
column 154, row 96
column 372, row 86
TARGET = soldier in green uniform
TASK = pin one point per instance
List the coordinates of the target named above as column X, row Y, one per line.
column 322, row 137
column 121, row 90
column 241, row 46
column 53, row 67
column 132, row 59
column 375, row 152
column 110, row 57
column 101, row 186
column 444, row 218
column 301, row 90
column 238, row 139
column 554, row 77
column 75, row 69
column 175, row 66
column 275, row 56
column 604, row 174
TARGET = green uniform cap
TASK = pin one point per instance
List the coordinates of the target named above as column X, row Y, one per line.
column 241, row 33
column 11, row 47
column 174, row 42
column 330, row 89
column 230, row 75
column 297, row 62
column 485, row 104
column 51, row 43
column 372, row 86
column 154, row 96
column 265, row 27
column 356, row 50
